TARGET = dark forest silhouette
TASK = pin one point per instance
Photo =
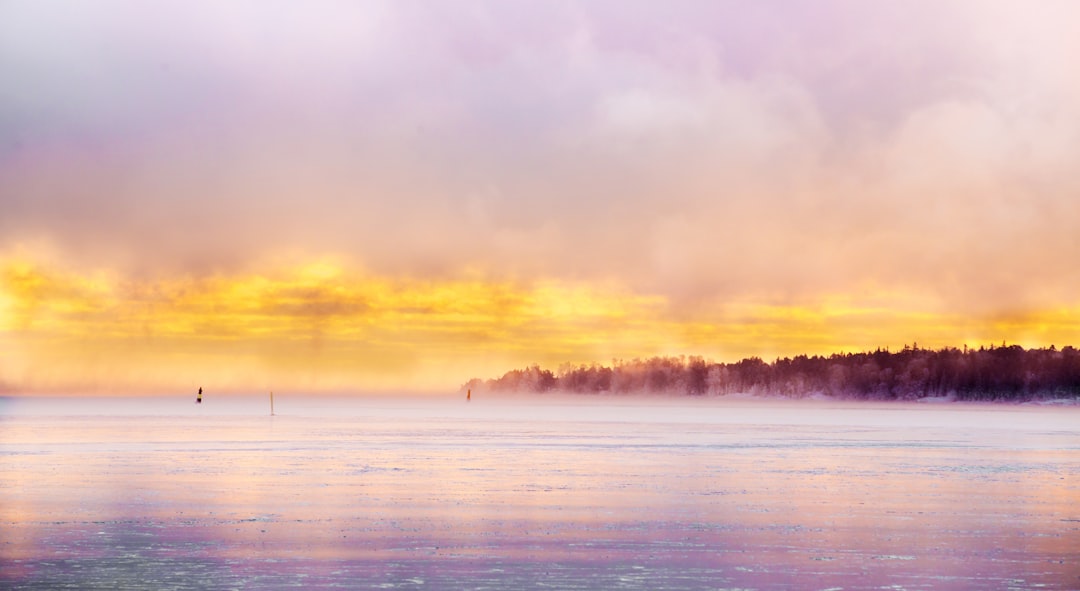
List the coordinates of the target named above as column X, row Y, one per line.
column 994, row 373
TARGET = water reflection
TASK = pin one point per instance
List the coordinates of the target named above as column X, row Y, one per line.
column 380, row 494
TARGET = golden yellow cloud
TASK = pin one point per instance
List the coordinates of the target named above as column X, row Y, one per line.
column 327, row 326
column 318, row 325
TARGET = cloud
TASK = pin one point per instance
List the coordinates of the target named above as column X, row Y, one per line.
column 315, row 325
column 706, row 153
column 322, row 325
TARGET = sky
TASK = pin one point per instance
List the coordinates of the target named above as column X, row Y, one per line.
column 401, row 195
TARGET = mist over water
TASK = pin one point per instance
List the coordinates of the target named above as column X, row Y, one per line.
column 565, row 492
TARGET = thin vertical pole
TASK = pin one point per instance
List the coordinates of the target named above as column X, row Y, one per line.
column 271, row 404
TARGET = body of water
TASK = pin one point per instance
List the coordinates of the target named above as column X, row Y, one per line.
column 563, row 493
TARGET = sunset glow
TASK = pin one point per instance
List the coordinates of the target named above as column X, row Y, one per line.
column 324, row 326
column 404, row 196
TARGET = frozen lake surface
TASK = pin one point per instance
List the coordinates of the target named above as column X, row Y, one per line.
column 582, row 493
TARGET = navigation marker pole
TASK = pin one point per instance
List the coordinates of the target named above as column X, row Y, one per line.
column 271, row 404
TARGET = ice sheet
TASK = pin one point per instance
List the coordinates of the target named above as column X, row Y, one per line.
column 569, row 493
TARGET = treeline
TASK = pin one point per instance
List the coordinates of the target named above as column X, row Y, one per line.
column 994, row 373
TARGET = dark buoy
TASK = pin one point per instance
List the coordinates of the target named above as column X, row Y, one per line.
column 198, row 399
